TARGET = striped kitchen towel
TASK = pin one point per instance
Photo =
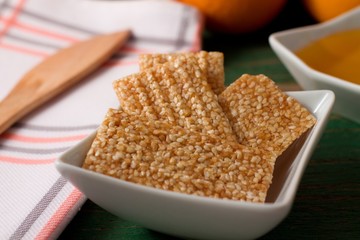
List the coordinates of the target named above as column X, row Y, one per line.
column 35, row 201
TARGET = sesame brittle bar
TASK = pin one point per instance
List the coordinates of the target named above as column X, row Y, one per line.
column 177, row 91
column 212, row 63
column 168, row 157
column 262, row 115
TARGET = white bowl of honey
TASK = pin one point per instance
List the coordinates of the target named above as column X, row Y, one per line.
column 325, row 56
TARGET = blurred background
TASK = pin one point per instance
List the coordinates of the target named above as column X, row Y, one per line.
column 245, row 41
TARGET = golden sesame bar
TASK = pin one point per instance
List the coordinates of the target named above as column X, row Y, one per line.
column 134, row 96
column 140, row 93
column 177, row 90
column 168, row 157
column 211, row 62
column 262, row 115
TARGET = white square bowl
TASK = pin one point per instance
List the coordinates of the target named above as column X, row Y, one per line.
column 197, row 217
column 285, row 43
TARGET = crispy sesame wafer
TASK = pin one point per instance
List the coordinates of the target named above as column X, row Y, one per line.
column 161, row 155
column 178, row 91
column 262, row 115
column 212, row 63
column 188, row 87
column 135, row 97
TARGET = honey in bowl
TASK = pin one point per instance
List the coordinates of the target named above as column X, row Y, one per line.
column 337, row 55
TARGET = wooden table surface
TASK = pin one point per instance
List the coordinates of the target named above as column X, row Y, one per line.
column 327, row 205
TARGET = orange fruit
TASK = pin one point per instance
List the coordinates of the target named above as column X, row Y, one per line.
column 323, row 10
column 237, row 16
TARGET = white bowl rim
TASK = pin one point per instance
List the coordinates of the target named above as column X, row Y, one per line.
column 320, row 76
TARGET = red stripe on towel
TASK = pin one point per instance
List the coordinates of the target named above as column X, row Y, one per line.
column 117, row 63
column 22, row 138
column 23, row 50
column 25, row 161
column 38, row 30
column 196, row 46
column 59, row 216
column 12, row 18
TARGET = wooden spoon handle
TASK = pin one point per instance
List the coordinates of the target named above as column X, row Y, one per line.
column 12, row 108
column 57, row 73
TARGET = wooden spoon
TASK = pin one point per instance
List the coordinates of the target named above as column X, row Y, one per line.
column 57, row 73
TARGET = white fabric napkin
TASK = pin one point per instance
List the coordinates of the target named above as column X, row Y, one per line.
column 35, row 201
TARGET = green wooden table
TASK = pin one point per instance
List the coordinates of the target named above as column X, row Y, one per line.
column 327, row 205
